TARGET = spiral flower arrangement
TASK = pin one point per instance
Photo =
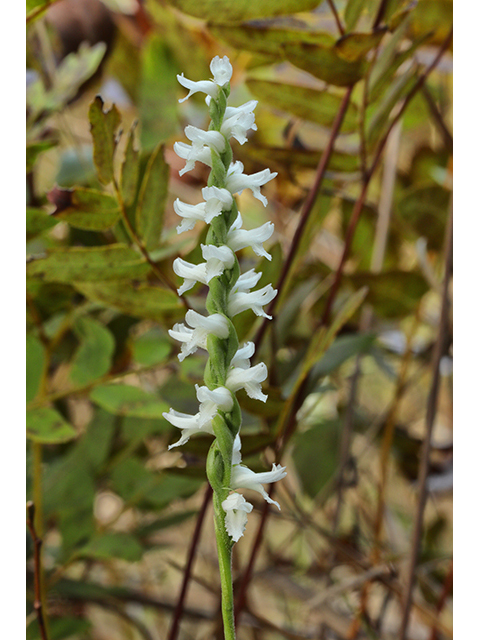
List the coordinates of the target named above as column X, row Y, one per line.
column 228, row 367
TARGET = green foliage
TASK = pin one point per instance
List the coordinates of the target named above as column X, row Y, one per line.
column 85, row 208
column 93, row 357
column 152, row 199
column 102, row 369
column 47, row 426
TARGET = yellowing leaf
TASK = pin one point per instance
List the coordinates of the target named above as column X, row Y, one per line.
column 103, row 125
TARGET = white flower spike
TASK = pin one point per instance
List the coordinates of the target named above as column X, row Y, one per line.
column 228, row 296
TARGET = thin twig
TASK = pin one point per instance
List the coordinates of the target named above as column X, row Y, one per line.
column 336, row 16
column 438, row 118
column 447, row 587
column 37, row 558
column 380, row 13
column 430, row 416
column 361, row 199
column 307, row 208
column 177, row 615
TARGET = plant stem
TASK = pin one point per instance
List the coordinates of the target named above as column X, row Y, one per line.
column 430, row 417
column 224, row 547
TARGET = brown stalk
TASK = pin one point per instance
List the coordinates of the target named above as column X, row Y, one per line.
column 177, row 615
column 37, row 559
column 336, row 16
column 430, row 416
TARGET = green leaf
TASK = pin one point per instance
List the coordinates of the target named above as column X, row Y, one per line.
column 352, row 13
column 125, row 400
column 164, row 523
column 85, row 208
column 341, row 350
column 93, row 358
column 268, row 37
column 35, row 364
column 158, row 92
column 304, row 102
column 64, row 628
column 140, row 486
column 113, row 545
column 433, row 18
column 225, row 11
column 38, row 221
column 315, row 455
column 139, row 300
column 152, row 199
column 68, row 77
column 87, row 264
column 47, row 426
column 355, row 46
column 130, row 169
column 397, row 90
column 325, row 63
column 394, row 293
column 151, row 348
column 103, row 125
column 34, row 149
column 425, row 209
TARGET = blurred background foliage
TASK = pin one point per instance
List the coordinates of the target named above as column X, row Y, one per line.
column 350, row 358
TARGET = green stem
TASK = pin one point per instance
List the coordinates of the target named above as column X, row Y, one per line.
column 224, row 546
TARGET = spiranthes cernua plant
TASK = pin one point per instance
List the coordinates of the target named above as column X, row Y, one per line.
column 228, row 368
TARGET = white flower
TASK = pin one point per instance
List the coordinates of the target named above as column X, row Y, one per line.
column 188, row 424
column 246, row 281
column 255, row 300
column 199, row 138
column 222, row 72
column 193, row 338
column 236, row 509
column 190, row 214
column 244, row 477
column 237, row 446
column 217, row 260
column 238, row 120
column 241, row 359
column 216, row 200
column 248, row 379
column 237, row 181
column 200, row 149
column 238, row 238
column 211, row 401
column 191, row 155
